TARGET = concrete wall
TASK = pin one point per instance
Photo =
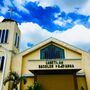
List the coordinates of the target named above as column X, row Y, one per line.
column 81, row 81
column 86, row 66
column 8, row 48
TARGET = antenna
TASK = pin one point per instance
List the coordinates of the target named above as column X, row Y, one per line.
column 11, row 12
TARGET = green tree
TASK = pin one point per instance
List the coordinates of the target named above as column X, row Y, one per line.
column 36, row 86
column 82, row 88
column 15, row 79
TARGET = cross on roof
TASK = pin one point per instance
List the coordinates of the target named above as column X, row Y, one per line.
column 11, row 12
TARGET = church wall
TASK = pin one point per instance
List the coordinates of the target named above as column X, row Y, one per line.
column 7, row 47
column 10, row 27
column 70, row 54
column 81, row 81
column 31, row 56
column 7, row 67
column 86, row 66
column 0, row 77
column 35, row 55
column 17, row 64
column 16, row 30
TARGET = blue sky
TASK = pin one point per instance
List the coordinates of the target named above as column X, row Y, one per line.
column 66, row 20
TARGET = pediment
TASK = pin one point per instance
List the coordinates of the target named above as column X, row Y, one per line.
column 52, row 41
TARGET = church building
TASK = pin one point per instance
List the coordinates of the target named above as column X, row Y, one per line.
column 54, row 64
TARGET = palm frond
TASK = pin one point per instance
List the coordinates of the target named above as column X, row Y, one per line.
column 7, row 80
column 22, row 78
column 15, row 78
column 14, row 74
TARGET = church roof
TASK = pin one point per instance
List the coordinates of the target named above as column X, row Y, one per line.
column 53, row 40
column 8, row 20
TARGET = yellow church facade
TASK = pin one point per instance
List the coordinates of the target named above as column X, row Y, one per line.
column 54, row 64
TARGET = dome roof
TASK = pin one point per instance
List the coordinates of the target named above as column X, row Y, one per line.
column 8, row 20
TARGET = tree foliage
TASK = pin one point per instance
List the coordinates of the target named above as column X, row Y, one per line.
column 36, row 86
column 15, row 79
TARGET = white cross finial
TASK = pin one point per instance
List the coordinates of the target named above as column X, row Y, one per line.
column 11, row 12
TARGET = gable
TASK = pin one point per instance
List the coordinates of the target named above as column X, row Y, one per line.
column 50, row 40
column 68, row 53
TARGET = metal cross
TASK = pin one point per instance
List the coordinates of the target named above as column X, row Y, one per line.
column 11, row 12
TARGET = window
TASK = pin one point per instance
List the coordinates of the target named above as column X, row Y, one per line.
column 3, row 36
column 52, row 52
column 17, row 41
column 1, row 62
column 6, row 36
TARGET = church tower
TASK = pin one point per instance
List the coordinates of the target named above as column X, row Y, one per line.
column 9, row 47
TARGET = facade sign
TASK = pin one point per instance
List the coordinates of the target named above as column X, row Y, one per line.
column 56, row 64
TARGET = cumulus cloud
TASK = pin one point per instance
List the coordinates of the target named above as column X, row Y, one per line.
column 80, row 6
column 70, row 5
column 1, row 18
column 62, row 22
column 65, row 5
column 20, row 6
column 85, row 9
column 38, row 11
column 77, row 36
column 33, row 33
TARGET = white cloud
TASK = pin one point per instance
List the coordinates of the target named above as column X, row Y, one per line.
column 7, row 3
column 43, row 3
column 78, row 35
column 20, row 6
column 70, row 5
column 4, row 10
column 86, row 8
column 78, row 6
column 46, row 3
column 1, row 18
column 18, row 3
column 58, row 22
column 32, row 33
column 62, row 22
column 65, row 5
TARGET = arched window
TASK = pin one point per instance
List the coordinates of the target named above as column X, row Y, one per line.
column 52, row 52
